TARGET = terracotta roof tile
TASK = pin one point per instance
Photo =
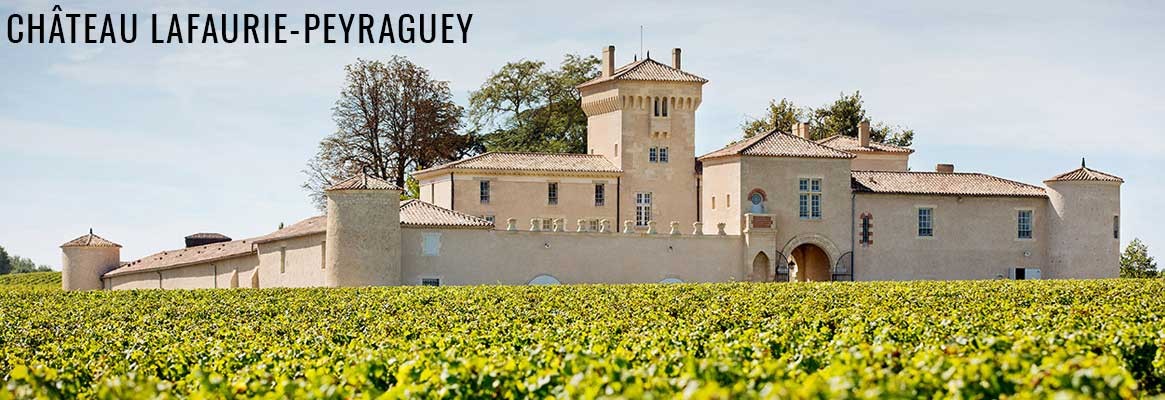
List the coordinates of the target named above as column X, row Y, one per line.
column 778, row 144
column 310, row 226
column 1085, row 174
column 190, row 255
column 363, row 182
column 208, row 235
column 647, row 70
column 852, row 145
column 413, row 213
column 942, row 184
column 535, row 162
column 416, row 213
column 90, row 240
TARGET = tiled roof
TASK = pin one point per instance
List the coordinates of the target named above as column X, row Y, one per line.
column 413, row 213
column 190, row 255
column 363, row 182
column 90, row 240
column 778, row 144
column 941, row 183
column 1085, row 174
column 647, row 70
column 536, row 162
column 416, row 213
column 853, row 145
column 310, row 226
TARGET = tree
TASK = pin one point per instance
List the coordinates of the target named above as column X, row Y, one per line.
column 780, row 116
column 525, row 106
column 391, row 118
column 5, row 263
column 838, row 118
column 22, row 265
column 1136, row 262
column 412, row 189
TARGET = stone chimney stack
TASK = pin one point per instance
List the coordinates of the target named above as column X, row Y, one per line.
column 609, row 61
column 945, row 168
column 801, row 130
column 864, row 133
column 675, row 58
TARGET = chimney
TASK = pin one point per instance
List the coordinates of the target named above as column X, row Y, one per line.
column 803, row 130
column 864, row 133
column 945, row 168
column 609, row 61
column 675, row 58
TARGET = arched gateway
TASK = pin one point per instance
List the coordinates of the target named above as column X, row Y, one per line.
column 811, row 258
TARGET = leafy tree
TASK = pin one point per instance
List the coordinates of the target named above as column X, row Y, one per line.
column 525, row 106
column 1136, row 262
column 5, row 263
column 22, row 265
column 412, row 189
column 838, row 118
column 392, row 117
column 780, row 116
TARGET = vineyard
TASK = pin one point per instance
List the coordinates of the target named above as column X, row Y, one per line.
column 38, row 279
column 1086, row 339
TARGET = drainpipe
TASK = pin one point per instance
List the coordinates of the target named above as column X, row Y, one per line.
column 618, row 200
column 452, row 191
column 853, row 255
column 698, row 195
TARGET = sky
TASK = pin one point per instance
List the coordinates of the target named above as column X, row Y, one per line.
column 147, row 143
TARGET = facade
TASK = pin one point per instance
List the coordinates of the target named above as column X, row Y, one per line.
column 640, row 206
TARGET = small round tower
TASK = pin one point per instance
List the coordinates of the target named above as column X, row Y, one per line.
column 85, row 260
column 1083, row 224
column 363, row 233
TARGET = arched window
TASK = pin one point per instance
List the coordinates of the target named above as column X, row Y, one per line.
column 671, row 280
column 544, row 280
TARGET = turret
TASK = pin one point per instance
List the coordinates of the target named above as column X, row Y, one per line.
column 1083, row 224
column 85, row 260
column 363, row 241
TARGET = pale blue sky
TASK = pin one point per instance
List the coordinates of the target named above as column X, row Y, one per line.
column 148, row 143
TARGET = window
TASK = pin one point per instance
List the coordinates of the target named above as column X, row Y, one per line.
column 663, row 154
column 713, row 202
column 483, row 191
column 656, row 106
column 600, row 194
column 596, row 224
column 642, row 208
column 867, row 230
column 926, row 222
column 1116, row 227
column 283, row 259
column 489, row 218
column 809, row 200
column 430, row 281
column 664, row 106
column 552, row 193
column 653, row 154
column 1024, row 224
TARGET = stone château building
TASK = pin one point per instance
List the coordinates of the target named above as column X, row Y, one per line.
column 641, row 206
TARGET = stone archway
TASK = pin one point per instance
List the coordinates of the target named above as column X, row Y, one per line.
column 813, row 255
column 760, row 267
column 812, row 263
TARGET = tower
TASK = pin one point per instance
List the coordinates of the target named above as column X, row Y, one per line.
column 1083, row 224
column 362, row 243
column 85, row 259
column 642, row 117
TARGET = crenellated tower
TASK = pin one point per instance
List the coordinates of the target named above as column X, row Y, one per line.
column 642, row 116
